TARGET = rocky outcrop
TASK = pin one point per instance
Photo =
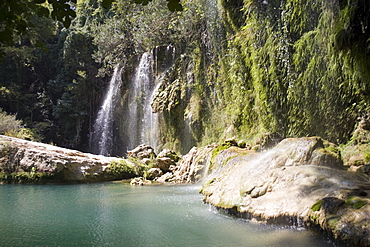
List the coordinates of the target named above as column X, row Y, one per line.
column 191, row 168
column 301, row 181
column 26, row 161
column 141, row 152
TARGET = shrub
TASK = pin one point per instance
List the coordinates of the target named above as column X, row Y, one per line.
column 9, row 123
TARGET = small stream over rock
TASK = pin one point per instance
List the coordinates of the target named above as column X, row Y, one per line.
column 300, row 181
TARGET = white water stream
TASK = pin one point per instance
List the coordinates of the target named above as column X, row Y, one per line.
column 102, row 136
column 142, row 121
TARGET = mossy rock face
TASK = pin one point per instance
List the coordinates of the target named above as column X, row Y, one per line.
column 27, row 178
column 120, row 169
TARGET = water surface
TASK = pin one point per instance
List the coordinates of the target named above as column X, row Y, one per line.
column 115, row 214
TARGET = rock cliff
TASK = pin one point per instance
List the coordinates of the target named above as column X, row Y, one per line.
column 26, row 161
column 300, row 181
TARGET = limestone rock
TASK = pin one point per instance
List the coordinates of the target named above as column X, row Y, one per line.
column 142, row 151
column 169, row 154
column 32, row 161
column 153, row 173
column 140, row 181
column 165, row 178
column 193, row 165
column 288, row 183
column 164, row 163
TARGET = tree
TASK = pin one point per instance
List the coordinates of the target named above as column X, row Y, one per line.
column 15, row 15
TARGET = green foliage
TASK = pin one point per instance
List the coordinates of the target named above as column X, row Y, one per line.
column 173, row 5
column 282, row 71
column 16, row 16
column 294, row 67
column 9, row 123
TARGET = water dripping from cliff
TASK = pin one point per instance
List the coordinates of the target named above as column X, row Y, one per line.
column 101, row 140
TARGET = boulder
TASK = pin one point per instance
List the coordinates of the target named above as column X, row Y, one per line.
column 168, row 154
column 142, row 151
column 153, row 173
column 164, row 163
column 140, row 181
column 193, row 166
column 27, row 161
column 165, row 178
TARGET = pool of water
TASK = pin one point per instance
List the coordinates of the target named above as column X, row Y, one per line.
column 116, row 214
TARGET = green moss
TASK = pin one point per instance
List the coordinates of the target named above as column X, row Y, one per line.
column 355, row 202
column 317, row 206
column 25, row 177
column 332, row 222
column 120, row 167
column 215, row 153
column 127, row 169
column 314, row 218
column 367, row 157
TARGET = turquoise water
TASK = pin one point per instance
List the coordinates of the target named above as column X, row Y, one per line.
column 115, row 214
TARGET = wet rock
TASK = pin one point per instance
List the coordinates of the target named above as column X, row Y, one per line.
column 153, row 173
column 193, row 165
column 362, row 133
column 168, row 154
column 331, row 205
column 141, row 152
column 267, row 141
column 140, row 181
column 164, row 163
column 165, row 178
column 299, row 180
column 364, row 170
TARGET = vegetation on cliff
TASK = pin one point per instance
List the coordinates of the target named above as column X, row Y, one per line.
column 243, row 68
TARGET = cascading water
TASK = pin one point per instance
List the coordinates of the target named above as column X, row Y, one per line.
column 141, row 119
column 126, row 121
column 143, row 123
column 101, row 141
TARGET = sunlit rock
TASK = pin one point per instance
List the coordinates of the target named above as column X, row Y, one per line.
column 299, row 181
column 26, row 161
column 141, row 152
column 140, row 181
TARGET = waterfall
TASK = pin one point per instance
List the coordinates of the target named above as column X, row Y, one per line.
column 101, row 141
column 143, row 124
column 126, row 121
column 142, row 121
